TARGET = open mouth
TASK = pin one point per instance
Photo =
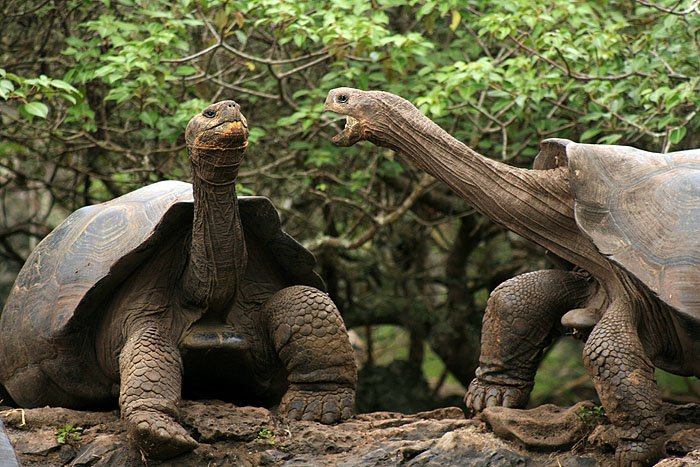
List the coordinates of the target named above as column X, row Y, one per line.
column 351, row 134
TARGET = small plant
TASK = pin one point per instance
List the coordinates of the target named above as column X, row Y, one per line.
column 68, row 433
column 266, row 434
column 591, row 416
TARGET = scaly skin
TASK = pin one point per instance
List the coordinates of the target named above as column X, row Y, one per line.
column 151, row 379
column 310, row 339
column 522, row 319
column 624, row 378
column 129, row 284
column 298, row 332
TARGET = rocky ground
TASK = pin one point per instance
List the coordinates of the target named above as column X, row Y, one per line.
column 251, row 436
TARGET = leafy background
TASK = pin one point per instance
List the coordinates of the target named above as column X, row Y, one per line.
column 94, row 97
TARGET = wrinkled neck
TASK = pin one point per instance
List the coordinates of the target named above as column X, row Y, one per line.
column 217, row 258
column 536, row 204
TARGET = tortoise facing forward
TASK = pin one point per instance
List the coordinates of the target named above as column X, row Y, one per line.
column 124, row 298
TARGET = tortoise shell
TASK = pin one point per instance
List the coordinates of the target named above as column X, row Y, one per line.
column 88, row 255
column 642, row 210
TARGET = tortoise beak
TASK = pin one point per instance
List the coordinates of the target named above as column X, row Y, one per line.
column 351, row 134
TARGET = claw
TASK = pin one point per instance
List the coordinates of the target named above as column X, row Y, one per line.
column 325, row 406
column 158, row 435
column 481, row 395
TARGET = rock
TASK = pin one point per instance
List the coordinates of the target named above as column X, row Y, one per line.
column 253, row 436
column 99, row 448
column 546, row 427
column 40, row 443
column 57, row 417
column 603, row 437
column 469, row 446
column 215, row 421
column 683, row 442
column 8, row 458
column 684, row 413
column 691, row 460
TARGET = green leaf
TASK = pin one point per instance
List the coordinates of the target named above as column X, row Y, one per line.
column 590, row 133
column 185, row 71
column 456, row 18
column 36, row 108
column 677, row 135
column 241, row 190
column 70, row 98
column 60, row 84
column 6, row 87
column 118, row 94
column 610, row 139
column 149, row 117
column 240, row 35
column 104, row 70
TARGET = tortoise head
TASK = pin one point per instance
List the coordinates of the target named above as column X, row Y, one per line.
column 371, row 115
column 216, row 142
column 220, row 126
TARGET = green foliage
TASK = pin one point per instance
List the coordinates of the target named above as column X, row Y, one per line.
column 592, row 416
column 95, row 96
column 29, row 92
column 266, row 435
column 68, row 434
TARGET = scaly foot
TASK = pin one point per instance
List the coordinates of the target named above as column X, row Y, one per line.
column 639, row 453
column 481, row 395
column 325, row 405
column 158, row 434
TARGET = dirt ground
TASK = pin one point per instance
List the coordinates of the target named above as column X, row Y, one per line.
column 252, row 436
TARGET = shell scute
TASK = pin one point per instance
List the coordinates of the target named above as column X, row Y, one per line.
column 69, row 263
column 642, row 210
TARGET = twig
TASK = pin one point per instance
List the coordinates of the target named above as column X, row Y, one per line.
column 266, row 168
column 574, row 75
column 244, row 90
column 344, row 243
column 193, row 56
column 253, row 58
column 690, row 9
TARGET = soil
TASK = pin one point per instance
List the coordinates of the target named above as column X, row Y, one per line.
column 253, row 436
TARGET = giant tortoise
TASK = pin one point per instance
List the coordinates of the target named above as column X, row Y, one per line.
column 627, row 220
column 177, row 287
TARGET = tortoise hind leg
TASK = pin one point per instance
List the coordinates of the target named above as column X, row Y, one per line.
column 310, row 339
column 624, row 379
column 150, row 370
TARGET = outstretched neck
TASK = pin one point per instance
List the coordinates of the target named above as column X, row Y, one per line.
column 217, row 257
column 533, row 203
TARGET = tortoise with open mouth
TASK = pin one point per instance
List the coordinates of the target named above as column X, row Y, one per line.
column 629, row 220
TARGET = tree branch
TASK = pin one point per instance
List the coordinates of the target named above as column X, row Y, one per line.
column 379, row 221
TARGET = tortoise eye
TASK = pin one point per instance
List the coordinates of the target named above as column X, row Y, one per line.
column 209, row 113
column 342, row 99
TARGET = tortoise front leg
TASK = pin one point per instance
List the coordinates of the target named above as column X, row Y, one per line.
column 624, row 378
column 522, row 319
column 150, row 370
column 310, row 339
